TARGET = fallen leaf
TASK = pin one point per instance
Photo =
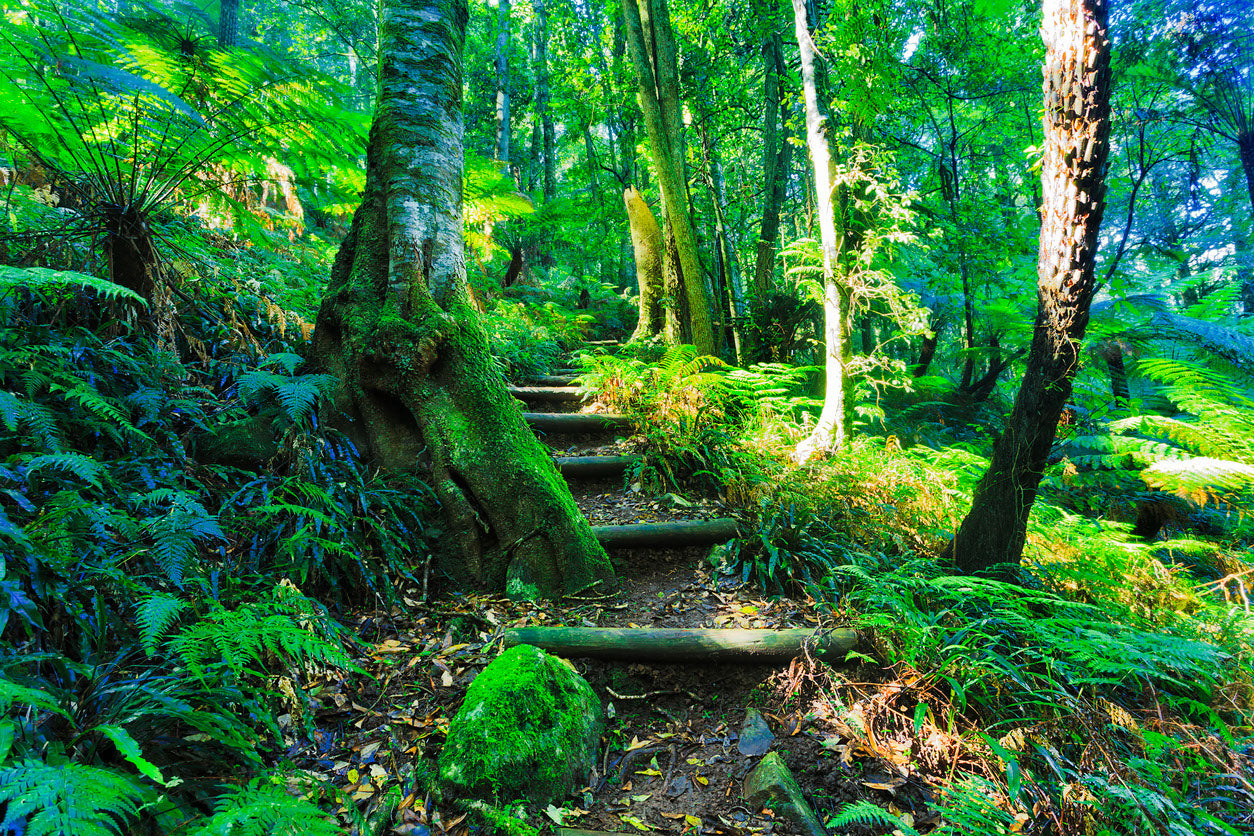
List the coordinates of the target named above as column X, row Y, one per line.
column 636, row 823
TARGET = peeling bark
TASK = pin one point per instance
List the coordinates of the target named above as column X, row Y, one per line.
column 646, row 241
column 1077, row 142
column 396, row 326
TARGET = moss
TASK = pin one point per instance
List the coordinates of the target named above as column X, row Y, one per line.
column 529, row 727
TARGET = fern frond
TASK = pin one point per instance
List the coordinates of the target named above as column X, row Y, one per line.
column 61, row 284
column 75, row 464
column 70, row 799
column 867, row 814
column 155, row 615
column 265, row 810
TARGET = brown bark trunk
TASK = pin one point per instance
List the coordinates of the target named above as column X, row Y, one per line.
column 775, row 153
column 1077, row 140
column 418, row 382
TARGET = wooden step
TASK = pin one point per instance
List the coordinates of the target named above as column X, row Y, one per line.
column 546, row 394
column 593, row 467
column 668, row 534
column 575, row 423
column 659, row 644
column 555, row 379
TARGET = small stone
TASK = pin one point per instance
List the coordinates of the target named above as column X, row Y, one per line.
column 755, row 735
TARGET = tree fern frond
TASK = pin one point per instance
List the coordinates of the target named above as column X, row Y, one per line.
column 70, row 799
column 18, row 413
column 300, row 395
column 1199, row 478
column 60, row 284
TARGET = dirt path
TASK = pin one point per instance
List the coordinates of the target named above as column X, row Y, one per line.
column 676, row 749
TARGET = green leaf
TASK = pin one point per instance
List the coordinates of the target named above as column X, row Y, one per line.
column 129, row 749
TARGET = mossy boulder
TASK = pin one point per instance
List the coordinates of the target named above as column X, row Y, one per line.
column 528, row 728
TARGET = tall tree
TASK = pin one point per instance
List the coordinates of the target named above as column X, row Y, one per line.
column 1076, row 145
column 396, row 326
column 833, row 423
column 544, row 116
column 776, row 151
column 502, row 82
column 651, row 42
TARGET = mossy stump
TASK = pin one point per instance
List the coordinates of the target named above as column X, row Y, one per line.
column 528, row 728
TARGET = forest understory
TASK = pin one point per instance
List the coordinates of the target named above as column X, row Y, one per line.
column 926, row 325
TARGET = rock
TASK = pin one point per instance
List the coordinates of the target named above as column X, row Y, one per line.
column 528, row 728
column 755, row 735
column 772, row 785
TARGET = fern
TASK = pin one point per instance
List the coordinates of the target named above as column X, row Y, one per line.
column 177, row 533
column 70, row 799
column 869, row 815
column 299, row 395
column 76, row 464
column 264, row 809
column 61, row 284
column 242, row 639
column 155, row 615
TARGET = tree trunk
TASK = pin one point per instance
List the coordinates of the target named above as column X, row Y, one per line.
column 502, row 82
column 775, row 153
column 1076, row 143
column 396, row 327
column 700, row 645
column 646, row 241
column 228, row 24
column 1245, row 269
column 657, row 75
column 833, row 426
column 542, row 101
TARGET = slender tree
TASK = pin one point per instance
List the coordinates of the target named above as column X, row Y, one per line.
column 502, row 82
column 396, row 326
column 1076, row 144
column 651, row 43
column 228, row 23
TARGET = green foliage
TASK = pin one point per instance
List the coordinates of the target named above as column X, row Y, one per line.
column 265, row 809
column 70, row 799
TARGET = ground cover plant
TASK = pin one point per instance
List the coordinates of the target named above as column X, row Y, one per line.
column 243, row 547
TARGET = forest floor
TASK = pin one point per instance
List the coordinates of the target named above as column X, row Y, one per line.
column 681, row 738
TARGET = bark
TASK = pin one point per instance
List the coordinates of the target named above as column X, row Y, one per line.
column 396, row 327
column 544, row 117
column 502, row 82
column 1076, row 144
column 659, row 644
column 594, row 467
column 228, row 24
column 575, row 422
column 775, row 152
column 1245, row 270
column 654, row 59
column 646, row 241
column 833, row 425
column 729, row 272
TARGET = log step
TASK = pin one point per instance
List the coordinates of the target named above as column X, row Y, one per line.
column 655, row 644
column 593, row 467
column 546, row 394
column 555, row 379
column 575, row 422
column 670, row 534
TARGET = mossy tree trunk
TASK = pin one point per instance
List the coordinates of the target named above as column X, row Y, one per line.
column 651, row 42
column 646, row 241
column 1077, row 142
column 397, row 328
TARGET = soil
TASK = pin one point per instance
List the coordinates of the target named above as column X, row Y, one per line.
column 672, row 758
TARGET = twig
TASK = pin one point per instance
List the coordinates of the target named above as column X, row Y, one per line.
column 648, row 694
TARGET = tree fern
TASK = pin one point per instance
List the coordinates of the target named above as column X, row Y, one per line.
column 177, row 532
column 70, row 799
column 299, row 395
